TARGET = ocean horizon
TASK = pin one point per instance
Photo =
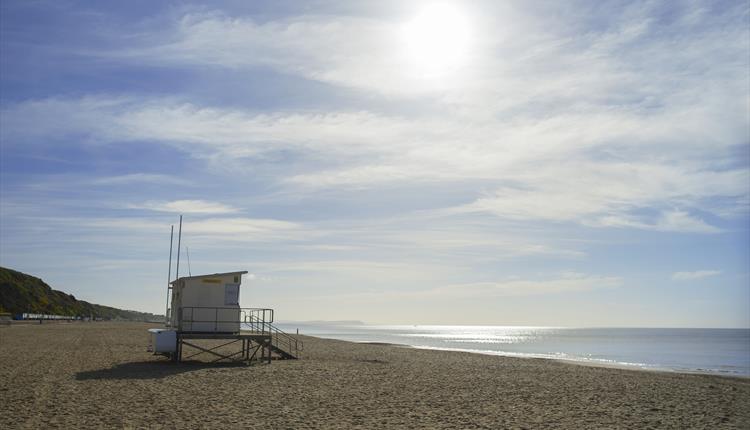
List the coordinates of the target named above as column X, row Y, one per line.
column 706, row 350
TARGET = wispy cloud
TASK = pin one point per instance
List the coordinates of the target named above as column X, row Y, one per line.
column 698, row 274
column 667, row 221
column 349, row 51
column 566, row 283
column 560, row 177
column 563, row 283
column 186, row 207
column 368, row 53
column 239, row 229
column 138, row 178
column 607, row 199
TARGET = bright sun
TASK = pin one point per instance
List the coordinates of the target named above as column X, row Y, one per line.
column 437, row 39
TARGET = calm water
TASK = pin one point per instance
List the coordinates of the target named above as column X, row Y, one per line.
column 725, row 351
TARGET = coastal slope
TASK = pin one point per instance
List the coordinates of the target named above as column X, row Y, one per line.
column 22, row 293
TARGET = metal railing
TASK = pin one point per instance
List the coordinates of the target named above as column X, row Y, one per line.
column 255, row 321
column 218, row 319
column 283, row 342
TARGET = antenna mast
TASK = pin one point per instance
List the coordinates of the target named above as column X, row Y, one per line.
column 169, row 274
column 179, row 240
column 187, row 251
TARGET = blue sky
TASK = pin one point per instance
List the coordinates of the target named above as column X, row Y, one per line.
column 532, row 163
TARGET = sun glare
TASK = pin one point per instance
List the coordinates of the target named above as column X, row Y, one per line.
column 437, row 39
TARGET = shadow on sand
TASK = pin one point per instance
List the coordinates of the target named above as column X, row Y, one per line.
column 150, row 370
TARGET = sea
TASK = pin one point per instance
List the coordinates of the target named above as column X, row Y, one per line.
column 704, row 350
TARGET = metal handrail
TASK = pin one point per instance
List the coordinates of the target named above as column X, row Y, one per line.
column 186, row 318
column 280, row 339
column 258, row 320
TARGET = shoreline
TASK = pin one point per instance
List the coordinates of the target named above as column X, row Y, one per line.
column 581, row 362
column 597, row 363
column 594, row 363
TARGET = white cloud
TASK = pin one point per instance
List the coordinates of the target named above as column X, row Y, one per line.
column 350, row 51
column 667, row 221
column 252, row 226
column 552, row 168
column 599, row 127
column 136, row 178
column 681, row 221
column 206, row 232
column 612, row 194
column 564, row 283
column 554, row 62
column 186, row 207
column 467, row 240
column 209, row 131
column 690, row 276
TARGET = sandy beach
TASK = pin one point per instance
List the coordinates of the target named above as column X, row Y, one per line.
column 73, row 375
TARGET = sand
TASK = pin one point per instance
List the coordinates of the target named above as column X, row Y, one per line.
column 75, row 375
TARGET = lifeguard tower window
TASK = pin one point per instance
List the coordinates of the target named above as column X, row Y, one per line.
column 231, row 294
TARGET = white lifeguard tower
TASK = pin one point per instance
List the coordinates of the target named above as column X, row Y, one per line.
column 207, row 308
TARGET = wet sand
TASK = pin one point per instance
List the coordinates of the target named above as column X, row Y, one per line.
column 74, row 375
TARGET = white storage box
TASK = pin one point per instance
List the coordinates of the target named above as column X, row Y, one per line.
column 162, row 341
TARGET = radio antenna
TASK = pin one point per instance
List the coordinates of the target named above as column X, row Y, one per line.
column 169, row 273
column 179, row 240
column 187, row 251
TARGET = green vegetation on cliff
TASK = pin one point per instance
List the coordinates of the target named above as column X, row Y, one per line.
column 21, row 293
